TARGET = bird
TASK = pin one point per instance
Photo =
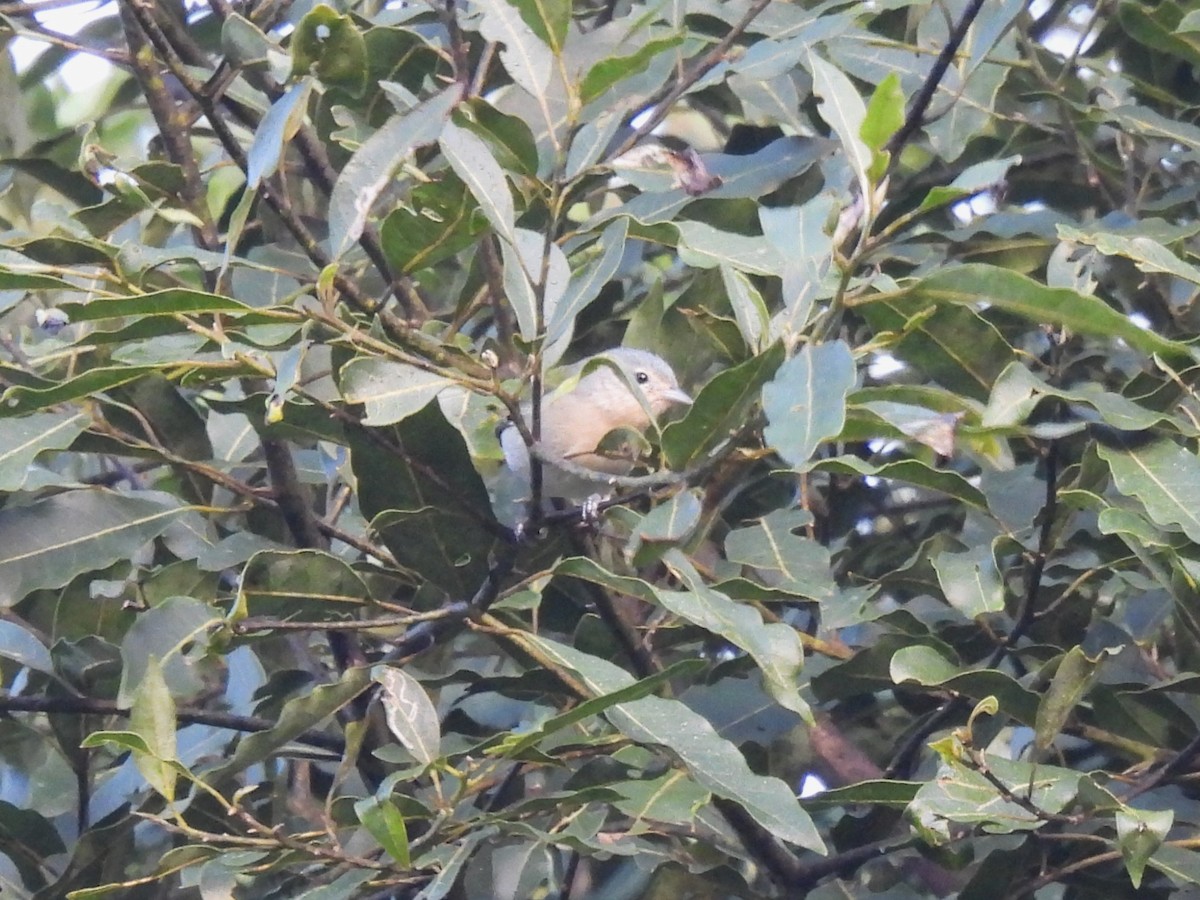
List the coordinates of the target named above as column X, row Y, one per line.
column 577, row 416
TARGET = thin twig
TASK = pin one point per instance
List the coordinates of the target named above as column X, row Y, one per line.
column 252, row 624
column 186, row 715
column 1176, row 766
column 916, row 113
column 714, row 57
column 142, row 31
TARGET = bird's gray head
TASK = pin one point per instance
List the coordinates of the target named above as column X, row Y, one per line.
column 614, row 395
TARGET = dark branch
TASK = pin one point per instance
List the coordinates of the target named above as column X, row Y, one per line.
column 916, row 113
column 661, row 106
column 86, row 706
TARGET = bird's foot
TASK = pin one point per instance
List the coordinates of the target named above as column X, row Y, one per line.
column 589, row 511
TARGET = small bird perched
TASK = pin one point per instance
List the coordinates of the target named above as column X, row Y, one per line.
column 577, row 416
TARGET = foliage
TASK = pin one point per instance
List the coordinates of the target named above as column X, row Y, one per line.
column 274, row 625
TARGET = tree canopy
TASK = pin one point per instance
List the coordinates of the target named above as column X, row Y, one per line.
column 907, row 601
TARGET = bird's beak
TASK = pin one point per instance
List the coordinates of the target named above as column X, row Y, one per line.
column 675, row 395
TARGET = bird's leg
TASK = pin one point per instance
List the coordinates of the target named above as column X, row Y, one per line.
column 589, row 511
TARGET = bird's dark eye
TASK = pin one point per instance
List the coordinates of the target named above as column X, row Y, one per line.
column 642, row 377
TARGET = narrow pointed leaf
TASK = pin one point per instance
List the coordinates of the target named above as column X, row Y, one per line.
column 152, row 717
column 471, row 160
column 372, row 165
column 710, row 759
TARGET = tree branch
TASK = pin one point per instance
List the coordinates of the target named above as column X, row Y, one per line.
column 173, row 126
column 660, row 108
column 187, row 715
column 916, row 113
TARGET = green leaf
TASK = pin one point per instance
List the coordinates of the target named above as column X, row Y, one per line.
column 671, row 521
column 332, row 48
column 549, row 20
column 243, row 42
column 883, row 118
column 885, row 113
column 1018, row 390
column 162, row 637
column 587, row 282
column 22, row 647
column 47, row 543
column 125, row 740
column 749, row 308
column 591, row 141
column 963, row 797
column 805, row 402
column 1072, row 679
column 450, row 858
column 27, row 281
column 971, row 581
column 912, row 423
column 1144, row 121
column 976, row 284
column 390, row 391
column 909, row 471
column 842, row 108
column 523, row 270
column 300, row 714
column 307, row 584
column 1140, row 832
column 710, row 759
column 771, row 99
column 271, row 139
column 371, row 167
column 386, row 824
column 721, row 406
column 775, row 647
column 969, row 182
column 706, row 247
column 672, row 798
column 526, row 56
column 1156, row 28
column 896, row 794
column 974, row 111
column 781, row 558
column 509, row 137
column 514, row 744
column 1164, row 477
column 1145, row 252
column 608, row 72
column 23, row 439
column 28, row 834
column 471, row 160
column 438, row 222
column 159, row 303
column 426, row 500
column 1179, row 864
column 276, row 130
column 20, row 399
column 953, row 345
column 924, row 665
column 152, row 718
column 65, row 251
column 750, row 176
column 410, row 713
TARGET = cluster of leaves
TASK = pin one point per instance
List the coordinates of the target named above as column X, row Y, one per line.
column 273, row 621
